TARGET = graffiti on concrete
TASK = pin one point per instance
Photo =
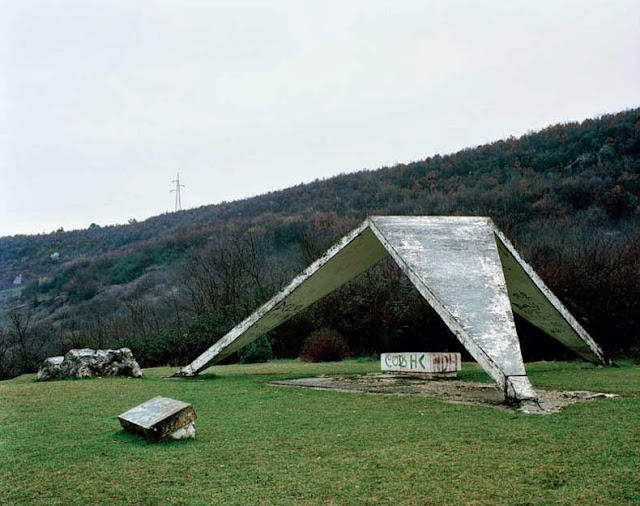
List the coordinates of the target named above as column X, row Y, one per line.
column 437, row 363
column 288, row 307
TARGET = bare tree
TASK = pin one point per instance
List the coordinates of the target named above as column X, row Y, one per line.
column 24, row 347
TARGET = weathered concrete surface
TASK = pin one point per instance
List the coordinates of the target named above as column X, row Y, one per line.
column 424, row 363
column 160, row 418
column 354, row 254
column 452, row 391
column 82, row 363
column 456, row 265
column 534, row 301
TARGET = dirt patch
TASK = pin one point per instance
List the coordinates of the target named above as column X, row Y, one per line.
column 448, row 390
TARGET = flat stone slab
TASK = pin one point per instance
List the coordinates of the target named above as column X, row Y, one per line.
column 160, row 418
column 424, row 363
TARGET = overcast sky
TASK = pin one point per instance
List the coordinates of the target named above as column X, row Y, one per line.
column 102, row 102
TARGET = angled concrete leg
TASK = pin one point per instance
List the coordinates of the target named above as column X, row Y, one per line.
column 535, row 302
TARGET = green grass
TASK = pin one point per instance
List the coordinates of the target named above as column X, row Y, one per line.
column 60, row 442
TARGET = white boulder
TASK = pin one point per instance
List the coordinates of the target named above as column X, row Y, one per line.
column 82, row 363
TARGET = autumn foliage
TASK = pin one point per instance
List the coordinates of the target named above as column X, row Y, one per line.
column 170, row 286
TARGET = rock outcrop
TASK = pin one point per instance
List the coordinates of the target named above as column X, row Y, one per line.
column 82, row 363
column 50, row 368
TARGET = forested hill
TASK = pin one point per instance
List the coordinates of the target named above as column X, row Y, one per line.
column 567, row 195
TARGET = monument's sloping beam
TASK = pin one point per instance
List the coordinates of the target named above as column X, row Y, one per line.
column 534, row 301
column 454, row 264
column 355, row 253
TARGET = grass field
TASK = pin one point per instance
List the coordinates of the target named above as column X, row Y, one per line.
column 61, row 443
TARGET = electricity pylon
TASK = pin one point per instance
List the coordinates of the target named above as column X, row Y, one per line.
column 177, row 192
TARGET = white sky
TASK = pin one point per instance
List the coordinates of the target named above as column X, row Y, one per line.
column 102, row 102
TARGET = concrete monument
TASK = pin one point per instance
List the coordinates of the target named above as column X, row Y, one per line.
column 464, row 267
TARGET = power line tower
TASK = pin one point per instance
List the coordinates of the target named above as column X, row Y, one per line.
column 177, row 192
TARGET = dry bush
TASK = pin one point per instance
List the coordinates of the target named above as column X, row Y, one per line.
column 324, row 345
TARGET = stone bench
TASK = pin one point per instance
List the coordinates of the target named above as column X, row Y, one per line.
column 430, row 364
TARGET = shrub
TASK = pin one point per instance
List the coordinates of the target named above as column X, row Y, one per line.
column 619, row 203
column 256, row 352
column 324, row 345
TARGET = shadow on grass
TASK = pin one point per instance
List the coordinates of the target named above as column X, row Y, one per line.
column 124, row 437
column 208, row 376
column 84, row 378
column 201, row 377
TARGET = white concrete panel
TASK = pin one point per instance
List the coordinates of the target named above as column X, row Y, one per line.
column 352, row 255
column 454, row 263
column 534, row 301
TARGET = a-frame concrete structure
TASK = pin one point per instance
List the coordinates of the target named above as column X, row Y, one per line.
column 463, row 266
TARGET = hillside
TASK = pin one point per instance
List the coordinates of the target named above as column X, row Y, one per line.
column 167, row 287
